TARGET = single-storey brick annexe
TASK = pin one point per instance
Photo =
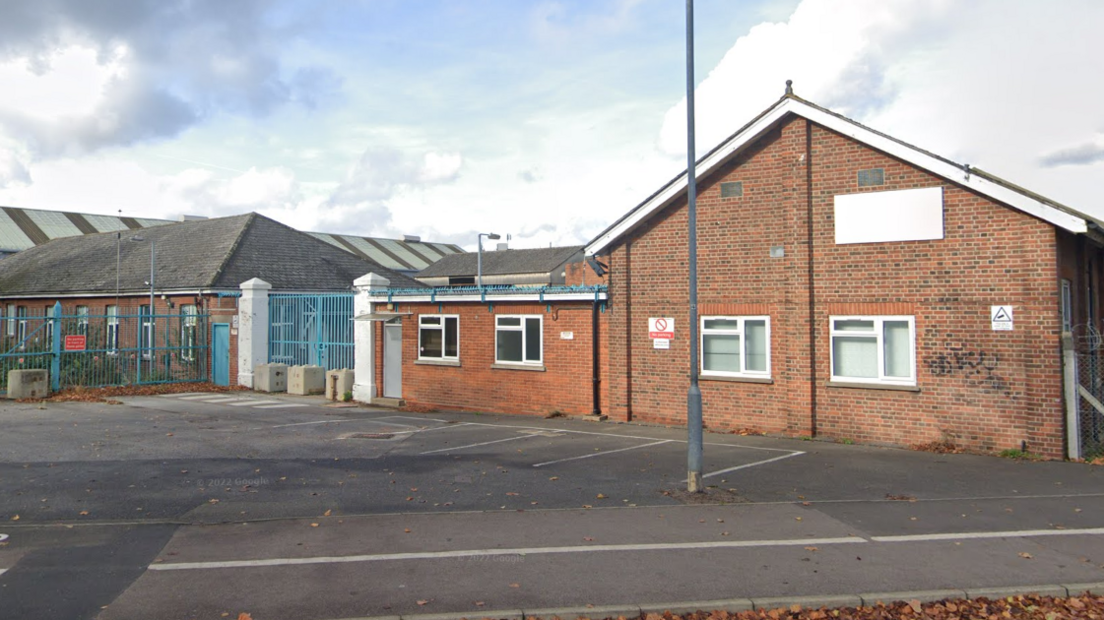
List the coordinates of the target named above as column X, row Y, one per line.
column 847, row 284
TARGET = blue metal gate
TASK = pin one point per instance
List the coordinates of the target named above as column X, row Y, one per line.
column 114, row 346
column 311, row 329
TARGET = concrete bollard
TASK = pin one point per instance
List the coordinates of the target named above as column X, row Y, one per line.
column 339, row 383
column 304, row 380
column 270, row 378
column 28, row 383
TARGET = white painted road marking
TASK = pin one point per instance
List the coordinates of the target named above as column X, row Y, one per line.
column 251, row 402
column 564, row 430
column 283, row 406
column 1092, row 531
column 476, row 445
column 603, row 453
column 746, row 465
column 467, row 553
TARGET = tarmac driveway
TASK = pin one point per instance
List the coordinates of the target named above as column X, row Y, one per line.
column 141, row 507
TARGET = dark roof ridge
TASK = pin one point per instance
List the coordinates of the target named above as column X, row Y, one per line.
column 251, row 217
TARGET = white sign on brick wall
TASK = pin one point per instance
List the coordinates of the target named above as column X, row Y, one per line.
column 1001, row 318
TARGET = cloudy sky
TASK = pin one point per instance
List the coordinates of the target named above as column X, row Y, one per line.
column 544, row 119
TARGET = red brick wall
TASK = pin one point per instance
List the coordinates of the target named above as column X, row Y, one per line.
column 564, row 386
column 580, row 274
column 978, row 388
column 220, row 311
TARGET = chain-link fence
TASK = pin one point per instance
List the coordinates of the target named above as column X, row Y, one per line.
column 1089, row 348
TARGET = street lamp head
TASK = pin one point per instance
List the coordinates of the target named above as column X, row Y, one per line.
column 493, row 236
column 137, row 238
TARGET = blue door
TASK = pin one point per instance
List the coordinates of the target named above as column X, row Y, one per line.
column 220, row 353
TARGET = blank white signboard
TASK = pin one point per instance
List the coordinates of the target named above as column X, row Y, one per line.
column 878, row 217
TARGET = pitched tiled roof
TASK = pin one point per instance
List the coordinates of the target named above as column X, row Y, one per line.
column 502, row 262
column 216, row 253
column 25, row 228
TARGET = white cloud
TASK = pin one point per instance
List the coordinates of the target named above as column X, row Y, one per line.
column 13, row 172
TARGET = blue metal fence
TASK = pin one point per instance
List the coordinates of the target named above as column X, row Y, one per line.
column 118, row 346
column 311, row 329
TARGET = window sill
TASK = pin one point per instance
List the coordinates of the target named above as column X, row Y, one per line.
column 529, row 367
column 437, row 362
column 874, row 386
column 765, row 380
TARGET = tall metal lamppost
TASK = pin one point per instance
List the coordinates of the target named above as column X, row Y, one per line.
column 479, row 260
column 693, row 395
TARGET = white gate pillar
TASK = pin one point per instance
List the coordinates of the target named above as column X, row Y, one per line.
column 252, row 328
column 364, row 337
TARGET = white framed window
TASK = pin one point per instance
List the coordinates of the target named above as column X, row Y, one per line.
column 439, row 337
column 11, row 320
column 874, row 349
column 735, row 346
column 21, row 332
column 48, row 325
column 519, row 339
column 189, row 325
column 146, row 335
column 112, row 331
column 82, row 320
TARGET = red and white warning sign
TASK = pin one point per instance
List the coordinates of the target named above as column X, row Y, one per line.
column 661, row 328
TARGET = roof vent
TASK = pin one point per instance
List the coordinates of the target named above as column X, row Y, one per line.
column 412, row 238
column 191, row 218
column 502, row 246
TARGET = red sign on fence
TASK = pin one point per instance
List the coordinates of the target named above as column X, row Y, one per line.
column 76, row 343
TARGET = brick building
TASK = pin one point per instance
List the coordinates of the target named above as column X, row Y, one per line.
column 852, row 286
column 528, row 341
column 199, row 266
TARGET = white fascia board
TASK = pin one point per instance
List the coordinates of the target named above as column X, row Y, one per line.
column 901, row 151
column 946, row 170
column 704, row 167
column 495, row 298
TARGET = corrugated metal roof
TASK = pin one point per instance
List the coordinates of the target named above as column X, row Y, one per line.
column 21, row 229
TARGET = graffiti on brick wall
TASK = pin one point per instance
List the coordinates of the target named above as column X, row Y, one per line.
column 978, row 367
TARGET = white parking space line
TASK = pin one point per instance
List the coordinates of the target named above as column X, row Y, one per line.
column 219, row 399
column 250, row 403
column 302, row 423
column 476, row 445
column 746, row 465
column 406, row 417
column 526, row 551
column 195, row 396
column 1093, row 531
column 283, row 406
column 186, row 394
column 603, row 453
column 564, row 430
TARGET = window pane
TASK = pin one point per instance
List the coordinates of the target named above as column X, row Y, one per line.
column 855, row 357
column 898, row 349
column 854, row 326
column 509, row 321
column 430, row 320
column 721, row 353
column 532, row 340
column 508, row 346
column 430, row 342
column 755, row 334
column 722, row 324
column 450, row 336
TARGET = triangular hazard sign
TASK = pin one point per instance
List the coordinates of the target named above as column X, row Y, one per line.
column 1001, row 314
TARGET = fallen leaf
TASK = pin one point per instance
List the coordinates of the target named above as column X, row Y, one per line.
column 515, row 585
column 83, row 513
column 244, row 616
column 1025, row 555
column 915, row 605
column 797, row 518
column 511, row 493
column 423, row 602
column 554, row 478
column 724, row 533
column 168, row 434
column 813, row 549
column 601, row 496
column 314, row 525
column 212, row 501
column 15, row 518
column 479, row 603
column 588, row 539
column 407, row 530
column 327, row 513
column 587, row 506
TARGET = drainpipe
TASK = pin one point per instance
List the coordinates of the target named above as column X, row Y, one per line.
column 596, row 408
column 812, row 275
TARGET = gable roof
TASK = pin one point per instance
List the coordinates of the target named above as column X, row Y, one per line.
column 502, row 262
column 21, row 229
column 972, row 178
column 216, row 253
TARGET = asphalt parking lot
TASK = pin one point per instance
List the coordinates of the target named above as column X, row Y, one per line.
column 195, row 505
